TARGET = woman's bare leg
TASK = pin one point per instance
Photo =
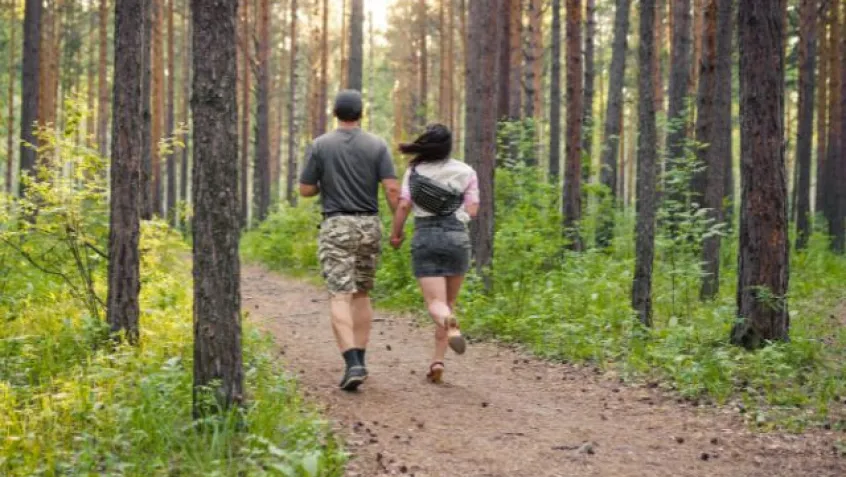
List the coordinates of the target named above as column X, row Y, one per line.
column 435, row 293
column 453, row 289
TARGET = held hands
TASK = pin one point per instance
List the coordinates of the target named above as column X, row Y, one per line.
column 397, row 240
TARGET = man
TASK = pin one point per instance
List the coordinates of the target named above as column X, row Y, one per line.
column 345, row 167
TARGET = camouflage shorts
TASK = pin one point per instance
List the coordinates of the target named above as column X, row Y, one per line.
column 348, row 249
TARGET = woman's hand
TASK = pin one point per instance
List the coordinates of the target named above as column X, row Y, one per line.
column 396, row 241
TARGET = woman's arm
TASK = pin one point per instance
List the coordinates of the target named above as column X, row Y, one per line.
column 471, row 196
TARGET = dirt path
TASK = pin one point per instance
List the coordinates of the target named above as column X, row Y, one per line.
column 502, row 414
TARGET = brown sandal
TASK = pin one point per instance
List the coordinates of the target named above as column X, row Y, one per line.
column 436, row 372
column 456, row 341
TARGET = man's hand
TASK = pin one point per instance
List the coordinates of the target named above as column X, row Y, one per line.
column 309, row 190
column 392, row 193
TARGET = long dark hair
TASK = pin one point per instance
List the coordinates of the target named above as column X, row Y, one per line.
column 433, row 145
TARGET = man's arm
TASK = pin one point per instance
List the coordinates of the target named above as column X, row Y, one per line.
column 312, row 173
column 392, row 193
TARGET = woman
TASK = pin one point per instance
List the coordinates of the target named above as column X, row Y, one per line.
column 443, row 194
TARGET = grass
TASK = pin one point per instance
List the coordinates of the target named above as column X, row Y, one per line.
column 574, row 307
column 71, row 406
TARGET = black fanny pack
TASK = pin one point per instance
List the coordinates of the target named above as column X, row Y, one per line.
column 433, row 196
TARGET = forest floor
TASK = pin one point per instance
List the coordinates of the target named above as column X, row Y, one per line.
column 502, row 413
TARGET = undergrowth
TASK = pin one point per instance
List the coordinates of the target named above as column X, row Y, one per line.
column 575, row 307
column 73, row 403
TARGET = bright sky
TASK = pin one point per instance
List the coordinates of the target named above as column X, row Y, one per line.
column 380, row 12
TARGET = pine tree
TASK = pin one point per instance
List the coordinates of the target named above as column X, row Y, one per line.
column 555, row 95
column 217, row 293
column 261, row 167
column 763, row 261
column 647, row 171
column 807, row 65
column 124, row 229
column 291, row 181
column 572, row 198
column 10, row 124
column 30, row 80
column 356, row 55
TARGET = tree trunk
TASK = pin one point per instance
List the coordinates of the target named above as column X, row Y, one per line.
column 261, row 168
column 29, row 87
column 533, row 55
column 573, row 172
column 423, row 92
column 515, row 50
column 698, row 30
column 102, row 81
column 712, row 155
column 503, row 63
column 186, row 96
column 217, row 293
column 10, row 124
column 324, row 70
column 171, row 118
column 723, row 105
column 679, row 82
column 356, row 62
column 647, row 171
column 91, row 87
column 537, row 29
column 822, row 109
column 590, row 76
column 443, row 70
column 661, row 17
column 807, row 66
column 838, row 243
column 291, row 182
column 45, row 97
column 124, row 266
column 344, row 35
column 613, row 119
column 481, row 124
column 246, row 111
column 158, row 104
column 555, row 95
column 450, row 67
column 834, row 123
column 147, row 202
column 763, row 261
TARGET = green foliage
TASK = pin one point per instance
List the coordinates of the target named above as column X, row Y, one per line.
column 575, row 307
column 71, row 406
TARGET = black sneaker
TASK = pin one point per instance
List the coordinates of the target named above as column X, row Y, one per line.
column 353, row 378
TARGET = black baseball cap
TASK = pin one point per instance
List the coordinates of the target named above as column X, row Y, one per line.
column 348, row 105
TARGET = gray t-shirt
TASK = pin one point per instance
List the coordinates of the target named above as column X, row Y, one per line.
column 348, row 165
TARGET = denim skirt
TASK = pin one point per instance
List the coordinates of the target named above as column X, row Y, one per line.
column 440, row 247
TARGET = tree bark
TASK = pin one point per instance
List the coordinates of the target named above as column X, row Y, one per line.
column 292, row 100
column 344, row 36
column 822, row 109
column 515, row 50
column 679, row 82
column 102, row 81
column 10, row 124
column 712, row 154
column 147, row 201
column 217, row 293
column 356, row 62
column 725, row 37
column 838, row 224
column 91, row 87
column 573, row 172
column 246, row 111
column 590, row 79
column 186, row 97
column 29, row 87
column 423, row 92
column 157, row 104
column 481, row 124
column 807, row 66
column 555, row 95
column 763, row 261
column 647, row 171
column 124, row 266
column 324, row 70
column 613, row 119
column 834, row 123
column 171, row 118
column 537, row 42
column 261, row 168
column 443, row 70
column 503, row 64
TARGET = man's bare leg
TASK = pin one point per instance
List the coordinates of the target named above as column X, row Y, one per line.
column 340, row 307
column 362, row 313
